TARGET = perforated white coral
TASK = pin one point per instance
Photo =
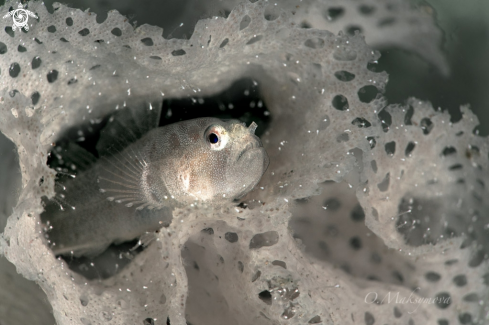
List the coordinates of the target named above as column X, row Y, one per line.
column 246, row 267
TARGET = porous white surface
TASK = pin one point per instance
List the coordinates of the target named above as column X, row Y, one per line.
column 385, row 24
column 309, row 142
column 21, row 300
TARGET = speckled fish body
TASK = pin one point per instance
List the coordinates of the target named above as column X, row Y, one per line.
column 135, row 190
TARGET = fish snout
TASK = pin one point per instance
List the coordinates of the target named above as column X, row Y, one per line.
column 250, row 142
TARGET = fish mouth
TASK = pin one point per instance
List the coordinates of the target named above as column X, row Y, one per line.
column 259, row 154
column 254, row 143
column 249, row 146
column 253, row 140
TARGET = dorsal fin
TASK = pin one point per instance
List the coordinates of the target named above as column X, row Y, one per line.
column 80, row 157
column 126, row 126
column 72, row 157
column 70, row 161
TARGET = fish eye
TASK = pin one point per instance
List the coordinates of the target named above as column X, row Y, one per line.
column 213, row 138
column 216, row 137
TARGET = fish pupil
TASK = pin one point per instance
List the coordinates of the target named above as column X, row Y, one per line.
column 213, row 138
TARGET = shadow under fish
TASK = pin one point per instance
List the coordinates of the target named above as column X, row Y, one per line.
column 144, row 172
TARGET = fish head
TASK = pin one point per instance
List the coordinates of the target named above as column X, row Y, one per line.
column 245, row 158
column 224, row 162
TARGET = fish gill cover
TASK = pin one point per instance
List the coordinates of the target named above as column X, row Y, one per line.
column 405, row 236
